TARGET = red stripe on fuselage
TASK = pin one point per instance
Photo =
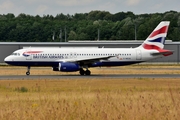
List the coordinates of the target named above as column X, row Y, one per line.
column 160, row 31
column 33, row 52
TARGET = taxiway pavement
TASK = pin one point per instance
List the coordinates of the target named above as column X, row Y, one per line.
column 21, row 77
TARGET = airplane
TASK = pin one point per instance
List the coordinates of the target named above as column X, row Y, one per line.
column 78, row 59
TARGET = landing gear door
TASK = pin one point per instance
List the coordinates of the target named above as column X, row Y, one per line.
column 138, row 55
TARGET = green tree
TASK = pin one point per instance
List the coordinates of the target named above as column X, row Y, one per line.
column 85, row 26
column 72, row 35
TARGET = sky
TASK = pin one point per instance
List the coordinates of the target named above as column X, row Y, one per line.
column 54, row 7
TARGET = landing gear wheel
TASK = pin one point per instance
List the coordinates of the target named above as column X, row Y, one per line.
column 88, row 72
column 27, row 73
column 82, row 72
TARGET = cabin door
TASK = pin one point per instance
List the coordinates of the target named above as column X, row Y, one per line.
column 138, row 55
column 28, row 55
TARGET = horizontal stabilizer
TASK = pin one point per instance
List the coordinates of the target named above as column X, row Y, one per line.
column 163, row 52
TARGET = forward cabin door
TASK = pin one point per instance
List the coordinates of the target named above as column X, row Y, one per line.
column 138, row 55
column 28, row 55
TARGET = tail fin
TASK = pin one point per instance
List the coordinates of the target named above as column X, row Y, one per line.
column 156, row 39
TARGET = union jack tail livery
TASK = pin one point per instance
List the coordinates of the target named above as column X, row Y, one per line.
column 156, row 39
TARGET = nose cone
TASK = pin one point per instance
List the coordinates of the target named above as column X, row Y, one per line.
column 7, row 59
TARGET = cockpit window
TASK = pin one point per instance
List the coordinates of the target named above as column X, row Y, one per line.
column 16, row 54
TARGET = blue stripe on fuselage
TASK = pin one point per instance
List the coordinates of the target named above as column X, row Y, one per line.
column 97, row 64
column 19, row 63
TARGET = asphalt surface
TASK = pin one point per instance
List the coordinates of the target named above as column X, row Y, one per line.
column 21, row 77
column 97, row 76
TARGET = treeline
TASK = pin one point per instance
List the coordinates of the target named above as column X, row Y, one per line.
column 85, row 26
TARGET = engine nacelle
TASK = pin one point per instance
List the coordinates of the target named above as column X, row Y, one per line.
column 66, row 67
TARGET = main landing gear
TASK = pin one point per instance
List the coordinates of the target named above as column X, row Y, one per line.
column 83, row 72
column 28, row 70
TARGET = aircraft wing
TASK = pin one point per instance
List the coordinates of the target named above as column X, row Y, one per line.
column 163, row 52
column 87, row 60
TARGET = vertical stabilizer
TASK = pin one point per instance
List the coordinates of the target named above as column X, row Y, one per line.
column 156, row 39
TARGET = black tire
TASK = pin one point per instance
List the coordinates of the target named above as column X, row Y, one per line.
column 88, row 72
column 81, row 72
column 27, row 73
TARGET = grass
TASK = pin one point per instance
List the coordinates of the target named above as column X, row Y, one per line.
column 90, row 99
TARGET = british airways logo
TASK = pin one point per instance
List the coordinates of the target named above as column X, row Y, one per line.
column 28, row 53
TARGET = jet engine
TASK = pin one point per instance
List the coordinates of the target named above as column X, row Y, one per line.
column 66, row 67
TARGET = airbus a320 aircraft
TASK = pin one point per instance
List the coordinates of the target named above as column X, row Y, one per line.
column 78, row 59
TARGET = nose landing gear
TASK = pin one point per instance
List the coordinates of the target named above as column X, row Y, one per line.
column 28, row 70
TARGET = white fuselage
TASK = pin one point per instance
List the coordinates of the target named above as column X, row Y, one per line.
column 50, row 55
